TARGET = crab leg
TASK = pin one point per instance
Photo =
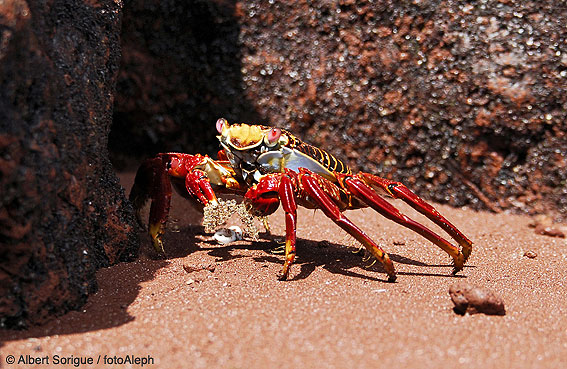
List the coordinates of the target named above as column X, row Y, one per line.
column 400, row 191
column 362, row 191
column 331, row 210
column 287, row 199
column 152, row 182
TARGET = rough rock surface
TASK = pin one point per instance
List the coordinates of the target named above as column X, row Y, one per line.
column 475, row 300
column 460, row 100
column 63, row 213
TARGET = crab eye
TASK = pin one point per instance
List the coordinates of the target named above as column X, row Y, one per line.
column 272, row 136
column 220, row 124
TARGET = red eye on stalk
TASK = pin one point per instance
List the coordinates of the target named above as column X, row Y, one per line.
column 220, row 124
column 273, row 136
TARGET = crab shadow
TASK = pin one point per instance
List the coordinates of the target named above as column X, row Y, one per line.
column 333, row 257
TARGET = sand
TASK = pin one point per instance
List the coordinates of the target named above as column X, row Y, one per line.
column 221, row 306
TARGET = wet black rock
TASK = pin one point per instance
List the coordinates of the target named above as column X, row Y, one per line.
column 63, row 213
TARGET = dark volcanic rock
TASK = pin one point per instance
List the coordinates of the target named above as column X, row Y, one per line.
column 180, row 71
column 63, row 213
column 462, row 101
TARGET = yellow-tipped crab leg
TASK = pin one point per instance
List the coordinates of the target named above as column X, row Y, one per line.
column 330, row 209
column 400, row 191
column 153, row 182
column 365, row 193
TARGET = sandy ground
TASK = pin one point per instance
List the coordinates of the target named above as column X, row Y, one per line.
column 232, row 312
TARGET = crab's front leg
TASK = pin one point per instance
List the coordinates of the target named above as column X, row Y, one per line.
column 199, row 173
column 287, row 198
column 265, row 198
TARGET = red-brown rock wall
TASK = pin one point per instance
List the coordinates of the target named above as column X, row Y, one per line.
column 464, row 101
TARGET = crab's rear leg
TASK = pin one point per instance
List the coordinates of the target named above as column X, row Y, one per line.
column 362, row 191
column 331, row 210
column 152, row 182
column 400, row 191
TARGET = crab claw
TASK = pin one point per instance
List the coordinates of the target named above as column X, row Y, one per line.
column 198, row 173
column 264, row 196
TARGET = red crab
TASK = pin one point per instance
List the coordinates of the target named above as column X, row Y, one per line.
column 270, row 166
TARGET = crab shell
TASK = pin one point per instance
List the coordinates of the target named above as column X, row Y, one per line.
column 255, row 150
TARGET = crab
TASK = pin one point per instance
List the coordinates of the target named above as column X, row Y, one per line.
column 269, row 166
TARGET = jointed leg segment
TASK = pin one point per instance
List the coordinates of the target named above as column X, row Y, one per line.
column 287, row 199
column 366, row 194
column 152, row 182
column 332, row 211
column 400, row 191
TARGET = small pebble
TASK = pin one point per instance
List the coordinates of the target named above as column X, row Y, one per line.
column 381, row 290
column 530, row 254
column 190, row 268
column 473, row 300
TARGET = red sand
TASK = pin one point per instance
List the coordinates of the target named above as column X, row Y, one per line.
column 334, row 313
